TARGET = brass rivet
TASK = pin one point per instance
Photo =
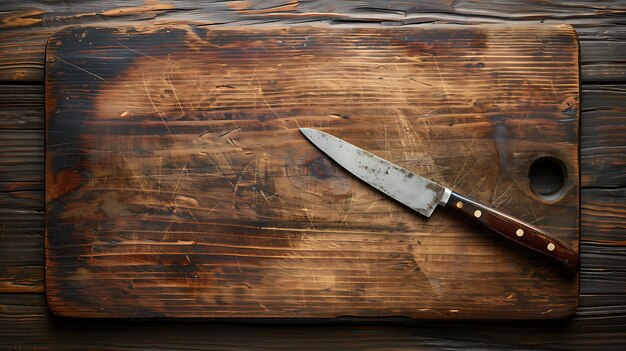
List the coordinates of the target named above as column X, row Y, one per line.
column 459, row 204
column 551, row 247
column 520, row 232
column 477, row 213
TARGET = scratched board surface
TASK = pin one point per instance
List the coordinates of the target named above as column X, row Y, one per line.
column 178, row 184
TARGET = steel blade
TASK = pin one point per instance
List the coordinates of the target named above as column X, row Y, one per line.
column 412, row 190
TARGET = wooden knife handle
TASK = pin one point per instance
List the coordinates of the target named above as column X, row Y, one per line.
column 516, row 230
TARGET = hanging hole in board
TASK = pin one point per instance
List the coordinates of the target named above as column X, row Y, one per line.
column 548, row 178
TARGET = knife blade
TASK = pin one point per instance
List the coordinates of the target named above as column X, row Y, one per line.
column 424, row 195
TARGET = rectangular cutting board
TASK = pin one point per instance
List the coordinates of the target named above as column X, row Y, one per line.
column 178, row 184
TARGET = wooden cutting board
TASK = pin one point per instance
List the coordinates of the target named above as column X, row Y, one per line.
column 178, row 184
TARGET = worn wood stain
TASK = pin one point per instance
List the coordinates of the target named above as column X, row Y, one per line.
column 178, row 184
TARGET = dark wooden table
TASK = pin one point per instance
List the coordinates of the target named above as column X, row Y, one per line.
column 26, row 323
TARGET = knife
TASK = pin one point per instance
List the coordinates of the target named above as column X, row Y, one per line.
column 424, row 195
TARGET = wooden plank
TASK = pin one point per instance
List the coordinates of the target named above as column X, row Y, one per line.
column 22, row 53
column 21, row 155
column 21, row 237
column 21, row 233
column 54, row 13
column 602, row 247
column 191, row 181
column 603, row 150
column 21, row 107
column 603, row 60
column 26, row 29
column 598, row 325
column 22, row 203
column 602, row 142
column 602, row 50
column 604, row 209
column 21, row 279
column 21, row 134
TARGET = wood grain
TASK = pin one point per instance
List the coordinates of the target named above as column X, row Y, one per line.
column 21, row 278
column 178, row 183
column 21, row 107
column 604, row 111
column 597, row 325
column 21, row 237
column 602, row 316
column 21, row 188
column 22, row 155
column 602, row 210
column 27, row 26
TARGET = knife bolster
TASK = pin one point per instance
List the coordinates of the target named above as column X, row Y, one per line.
column 445, row 197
